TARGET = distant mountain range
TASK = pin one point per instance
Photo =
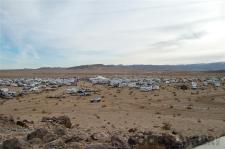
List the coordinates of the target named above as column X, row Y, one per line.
column 213, row 69
column 219, row 66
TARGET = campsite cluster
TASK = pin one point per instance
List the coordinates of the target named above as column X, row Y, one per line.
column 146, row 84
column 32, row 85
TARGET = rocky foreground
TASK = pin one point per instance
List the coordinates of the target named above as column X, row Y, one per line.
column 60, row 133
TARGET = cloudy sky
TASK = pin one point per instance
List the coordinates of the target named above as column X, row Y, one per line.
column 38, row 33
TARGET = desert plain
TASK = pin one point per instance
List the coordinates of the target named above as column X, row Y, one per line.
column 123, row 111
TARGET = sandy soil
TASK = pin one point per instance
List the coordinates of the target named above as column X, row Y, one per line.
column 189, row 112
column 186, row 112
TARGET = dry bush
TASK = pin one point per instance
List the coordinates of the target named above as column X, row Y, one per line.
column 174, row 94
column 43, row 112
column 1, row 102
column 131, row 92
column 211, row 129
column 97, row 116
column 178, row 100
column 189, row 107
column 103, row 106
column 158, row 113
column 118, row 91
column 142, row 107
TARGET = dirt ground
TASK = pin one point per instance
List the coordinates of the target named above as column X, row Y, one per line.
column 186, row 112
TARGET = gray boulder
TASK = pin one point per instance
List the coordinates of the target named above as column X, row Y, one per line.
column 38, row 133
column 15, row 144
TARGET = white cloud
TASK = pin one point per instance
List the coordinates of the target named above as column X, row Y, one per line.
column 114, row 31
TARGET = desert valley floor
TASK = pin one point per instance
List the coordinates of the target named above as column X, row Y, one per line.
column 123, row 112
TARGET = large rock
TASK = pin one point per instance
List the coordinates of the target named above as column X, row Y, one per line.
column 35, row 141
column 101, row 136
column 119, row 143
column 60, row 131
column 97, row 146
column 75, row 145
column 64, row 120
column 56, row 144
column 72, row 138
column 38, row 133
column 15, row 144
column 165, row 141
column 49, row 137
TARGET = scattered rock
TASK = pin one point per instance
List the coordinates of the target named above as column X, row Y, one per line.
column 132, row 141
column 198, row 140
column 63, row 120
column 166, row 126
column 100, row 136
column 161, row 141
column 75, row 145
column 28, row 122
column 6, row 119
column 96, row 99
column 73, row 138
